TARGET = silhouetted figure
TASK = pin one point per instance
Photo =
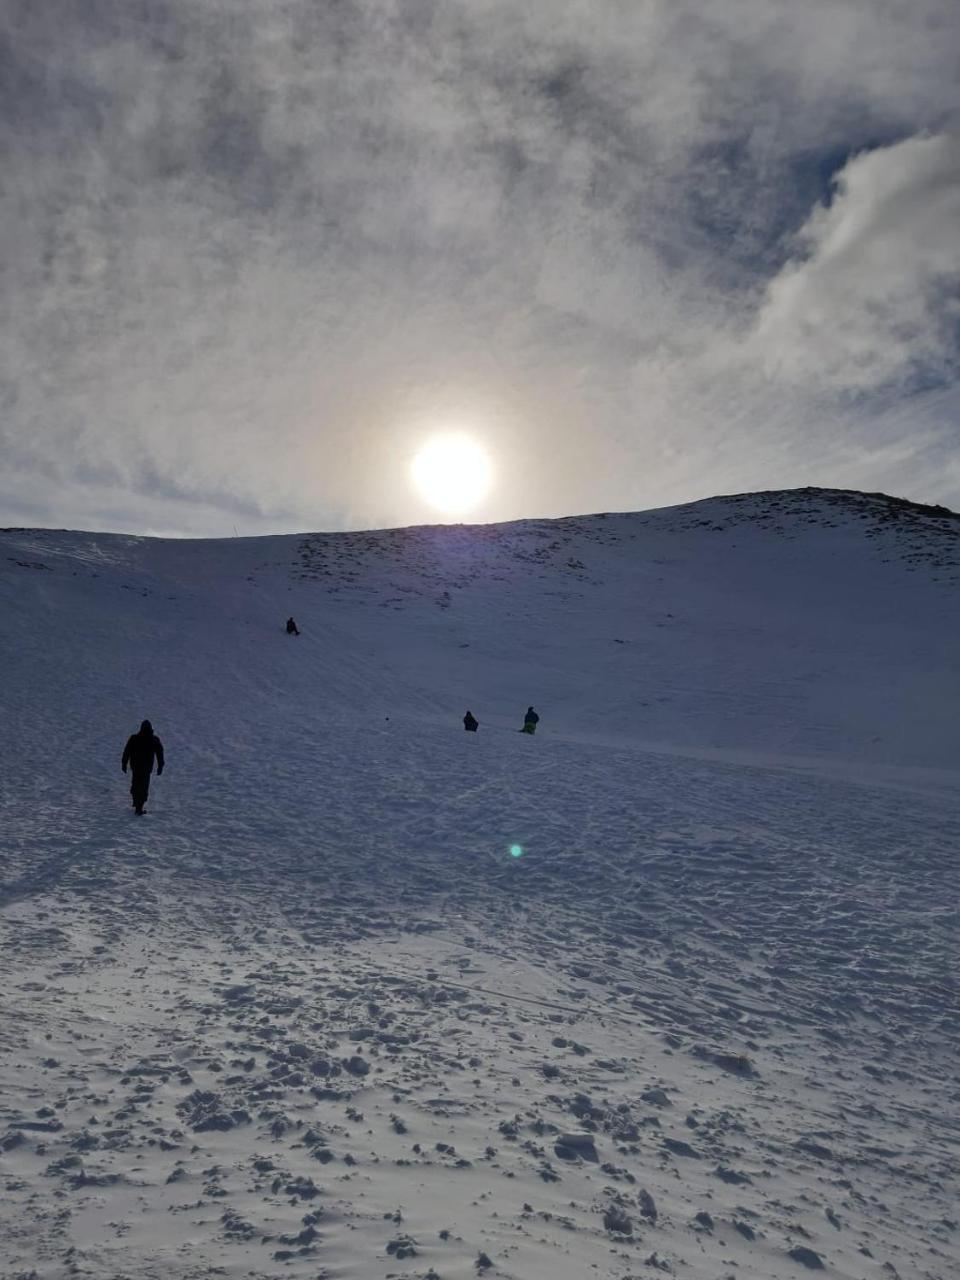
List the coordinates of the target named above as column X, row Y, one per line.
column 530, row 721
column 140, row 752
column 292, row 628
column 470, row 722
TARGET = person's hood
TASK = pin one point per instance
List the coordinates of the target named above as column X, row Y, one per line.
column 146, row 729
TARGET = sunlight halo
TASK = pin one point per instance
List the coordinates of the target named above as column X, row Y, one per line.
column 453, row 473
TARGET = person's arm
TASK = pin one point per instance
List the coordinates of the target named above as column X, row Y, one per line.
column 126, row 755
column 158, row 747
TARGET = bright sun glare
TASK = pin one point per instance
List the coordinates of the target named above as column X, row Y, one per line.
column 453, row 473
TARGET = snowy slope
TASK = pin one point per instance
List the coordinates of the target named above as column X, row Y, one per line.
column 728, row 952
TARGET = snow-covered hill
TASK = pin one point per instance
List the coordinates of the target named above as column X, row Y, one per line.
column 310, row 1017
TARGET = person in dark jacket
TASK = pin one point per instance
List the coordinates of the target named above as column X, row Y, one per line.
column 470, row 722
column 292, row 628
column 140, row 752
column 530, row 721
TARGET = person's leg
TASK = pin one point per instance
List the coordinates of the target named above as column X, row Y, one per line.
column 140, row 789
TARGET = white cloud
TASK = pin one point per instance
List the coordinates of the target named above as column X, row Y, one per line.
column 875, row 298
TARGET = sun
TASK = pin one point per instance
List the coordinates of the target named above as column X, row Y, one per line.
column 453, row 473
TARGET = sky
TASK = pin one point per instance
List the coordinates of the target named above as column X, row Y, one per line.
column 255, row 253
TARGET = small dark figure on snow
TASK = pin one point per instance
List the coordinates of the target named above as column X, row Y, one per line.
column 470, row 722
column 292, row 628
column 530, row 721
column 140, row 752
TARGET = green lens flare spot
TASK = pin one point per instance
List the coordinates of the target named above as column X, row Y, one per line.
column 516, row 851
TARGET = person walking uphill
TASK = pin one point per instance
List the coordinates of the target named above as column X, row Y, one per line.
column 530, row 721
column 140, row 752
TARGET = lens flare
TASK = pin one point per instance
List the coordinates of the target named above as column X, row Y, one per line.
column 516, row 851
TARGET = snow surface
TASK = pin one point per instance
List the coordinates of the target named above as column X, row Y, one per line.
column 308, row 1017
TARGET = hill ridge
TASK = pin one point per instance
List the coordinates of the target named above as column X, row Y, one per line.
column 896, row 505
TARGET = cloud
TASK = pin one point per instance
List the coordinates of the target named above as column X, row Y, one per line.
column 874, row 297
column 252, row 253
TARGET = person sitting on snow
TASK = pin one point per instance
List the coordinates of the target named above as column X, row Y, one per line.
column 470, row 722
column 292, row 629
